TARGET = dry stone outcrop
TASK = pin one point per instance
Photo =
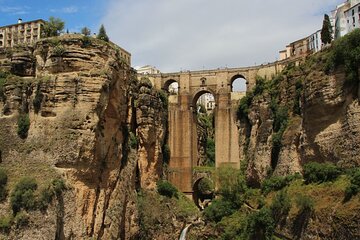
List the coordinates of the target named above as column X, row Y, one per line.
column 79, row 95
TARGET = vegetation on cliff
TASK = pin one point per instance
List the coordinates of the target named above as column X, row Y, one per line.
column 319, row 201
column 282, row 210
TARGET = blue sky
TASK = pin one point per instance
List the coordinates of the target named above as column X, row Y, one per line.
column 175, row 35
column 76, row 14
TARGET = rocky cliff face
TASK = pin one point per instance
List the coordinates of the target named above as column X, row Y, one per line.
column 322, row 115
column 79, row 95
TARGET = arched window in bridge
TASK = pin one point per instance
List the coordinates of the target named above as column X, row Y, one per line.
column 238, row 84
column 172, row 87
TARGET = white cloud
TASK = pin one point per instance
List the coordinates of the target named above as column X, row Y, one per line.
column 68, row 10
column 14, row 10
column 196, row 34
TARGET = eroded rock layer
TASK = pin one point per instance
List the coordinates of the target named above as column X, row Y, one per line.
column 80, row 97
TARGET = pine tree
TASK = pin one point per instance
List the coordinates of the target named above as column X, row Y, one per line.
column 86, row 31
column 326, row 31
column 102, row 34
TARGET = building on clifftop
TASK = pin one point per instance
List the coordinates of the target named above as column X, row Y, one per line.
column 20, row 33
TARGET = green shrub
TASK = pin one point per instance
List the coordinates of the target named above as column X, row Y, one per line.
column 46, row 196
column 298, row 92
column 38, row 99
column 145, row 82
column 164, row 98
column 210, row 151
column 354, row 187
column 218, row 209
column 259, row 86
column 304, row 203
column 280, row 116
column 346, row 52
column 59, row 50
column 231, row 185
column 280, row 206
column 165, row 188
column 166, row 153
column 206, row 186
column 320, row 172
column 86, row 42
column 277, row 183
column 21, row 220
column 260, row 225
column 5, row 223
column 2, row 88
column 244, row 106
column 280, row 121
column 233, row 226
column 3, row 182
column 23, row 196
column 56, row 187
column 23, row 125
column 306, row 208
column 133, row 141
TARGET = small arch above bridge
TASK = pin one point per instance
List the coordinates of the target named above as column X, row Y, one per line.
column 238, row 83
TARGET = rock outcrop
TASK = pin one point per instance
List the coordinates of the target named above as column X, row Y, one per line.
column 79, row 96
column 151, row 120
column 325, row 129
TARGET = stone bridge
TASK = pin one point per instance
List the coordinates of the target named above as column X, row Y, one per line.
column 182, row 117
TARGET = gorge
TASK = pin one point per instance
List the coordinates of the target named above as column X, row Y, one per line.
column 76, row 118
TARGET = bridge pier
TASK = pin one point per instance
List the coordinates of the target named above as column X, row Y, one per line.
column 226, row 133
column 181, row 144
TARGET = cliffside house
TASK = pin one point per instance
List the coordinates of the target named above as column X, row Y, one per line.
column 20, row 33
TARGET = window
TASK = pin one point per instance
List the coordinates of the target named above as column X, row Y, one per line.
column 353, row 20
column 353, row 12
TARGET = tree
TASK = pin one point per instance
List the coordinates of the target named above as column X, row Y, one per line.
column 86, row 31
column 326, row 31
column 53, row 27
column 102, row 34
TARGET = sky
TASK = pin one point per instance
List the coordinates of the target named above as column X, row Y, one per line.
column 179, row 35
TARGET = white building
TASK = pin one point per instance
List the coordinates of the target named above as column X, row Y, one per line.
column 148, row 70
column 21, row 33
column 315, row 43
column 208, row 101
column 353, row 17
column 340, row 20
column 173, row 88
column 345, row 18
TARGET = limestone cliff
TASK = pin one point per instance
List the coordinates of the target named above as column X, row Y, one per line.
column 151, row 120
column 304, row 114
column 80, row 97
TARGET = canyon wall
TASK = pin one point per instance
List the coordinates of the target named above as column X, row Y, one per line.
column 322, row 121
column 80, row 97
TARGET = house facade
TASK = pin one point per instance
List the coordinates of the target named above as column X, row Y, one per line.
column 315, row 43
column 21, row 33
column 353, row 17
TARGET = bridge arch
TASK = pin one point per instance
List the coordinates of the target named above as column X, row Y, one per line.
column 198, row 93
column 171, row 82
column 199, row 195
column 238, row 83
